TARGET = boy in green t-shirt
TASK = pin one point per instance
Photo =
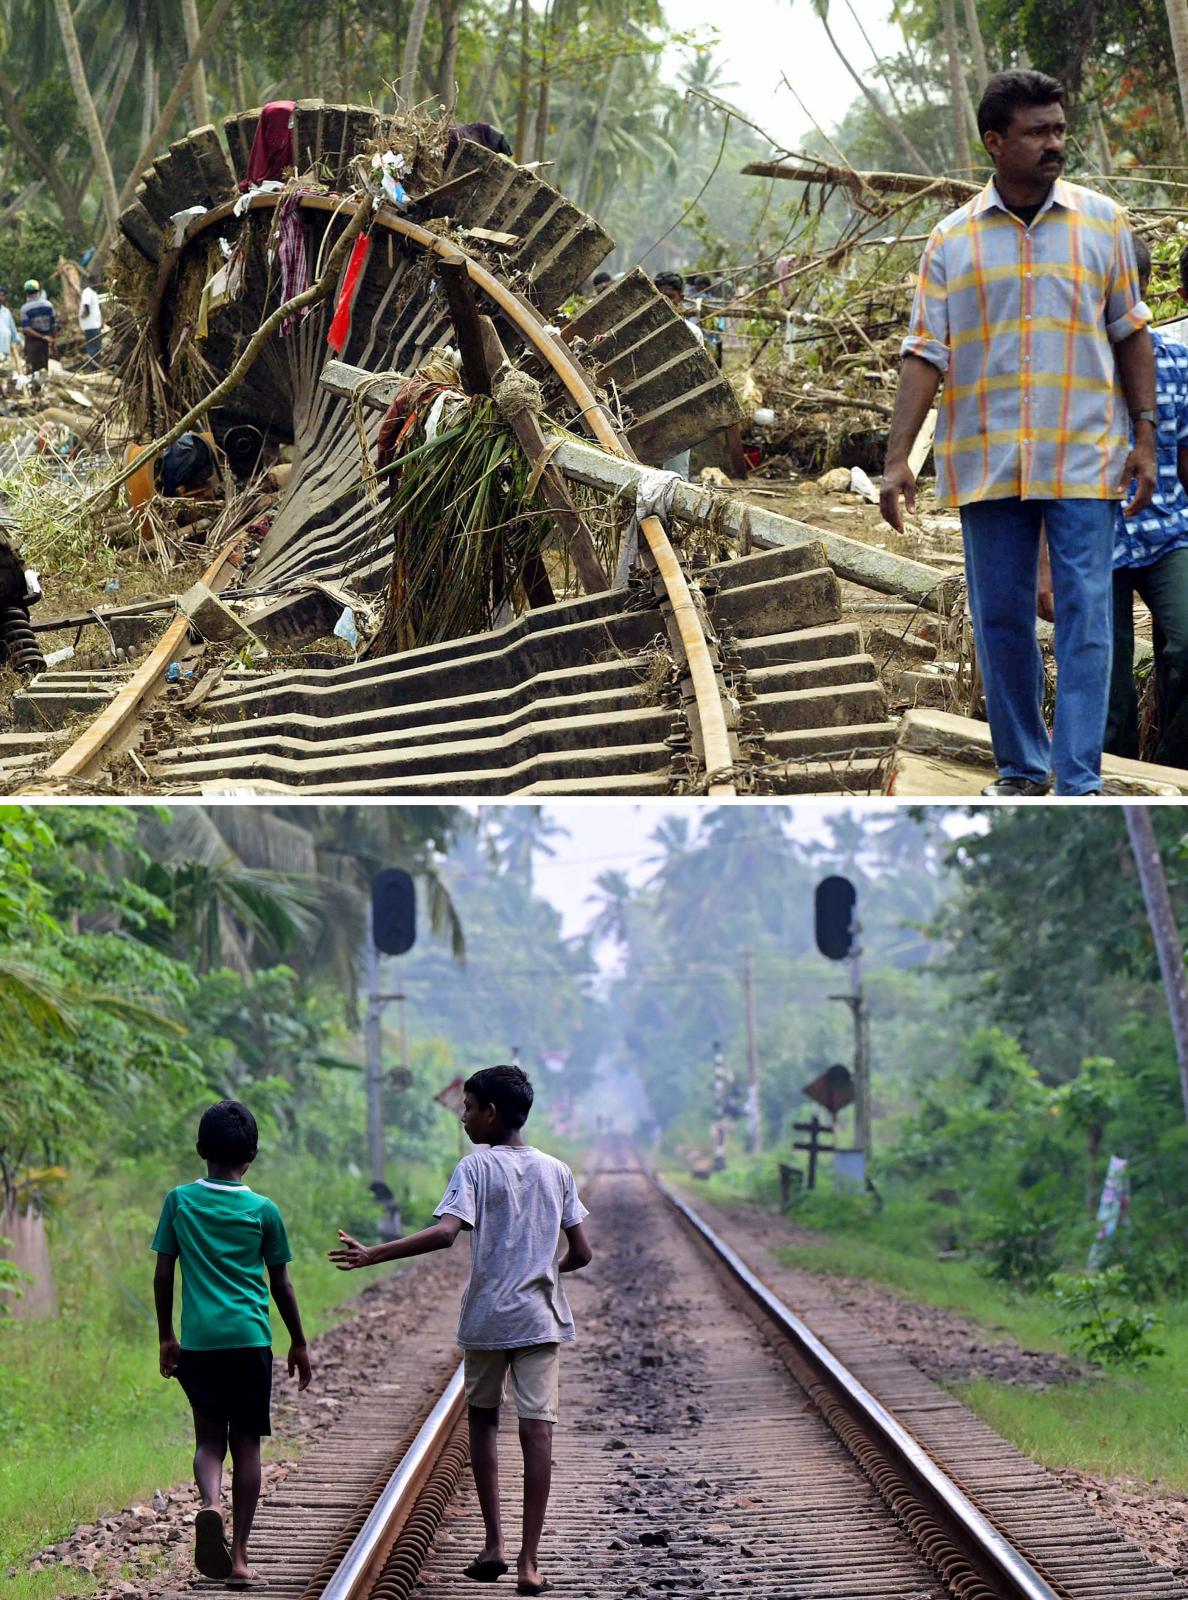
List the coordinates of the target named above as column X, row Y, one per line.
column 223, row 1234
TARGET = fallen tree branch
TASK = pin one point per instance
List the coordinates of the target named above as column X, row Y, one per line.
column 955, row 189
column 308, row 297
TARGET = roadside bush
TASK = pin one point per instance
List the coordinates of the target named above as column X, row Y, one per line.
column 1019, row 1244
column 1104, row 1322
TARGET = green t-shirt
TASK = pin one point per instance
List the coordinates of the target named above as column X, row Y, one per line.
column 224, row 1235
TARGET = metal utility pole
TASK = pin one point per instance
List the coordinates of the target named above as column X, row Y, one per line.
column 861, row 1047
column 375, row 1061
column 719, row 1108
column 754, row 1132
column 1168, row 945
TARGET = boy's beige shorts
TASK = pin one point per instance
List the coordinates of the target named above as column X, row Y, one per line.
column 535, row 1377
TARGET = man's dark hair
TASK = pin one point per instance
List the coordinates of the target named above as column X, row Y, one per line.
column 227, row 1134
column 1142, row 254
column 505, row 1088
column 1008, row 92
column 669, row 280
column 600, row 278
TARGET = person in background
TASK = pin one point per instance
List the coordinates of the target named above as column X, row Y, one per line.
column 1151, row 560
column 701, row 287
column 1028, row 306
column 90, row 320
column 39, row 323
column 9, row 343
column 602, row 280
column 672, row 286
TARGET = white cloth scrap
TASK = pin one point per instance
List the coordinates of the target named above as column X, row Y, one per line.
column 654, row 491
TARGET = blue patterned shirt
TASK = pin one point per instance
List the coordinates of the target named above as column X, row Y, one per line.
column 1163, row 526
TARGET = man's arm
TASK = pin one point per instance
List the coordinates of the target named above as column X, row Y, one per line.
column 170, row 1350
column 1136, row 370
column 918, row 382
column 351, row 1254
column 285, row 1296
column 579, row 1253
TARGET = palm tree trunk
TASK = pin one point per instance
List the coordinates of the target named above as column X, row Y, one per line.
column 150, row 104
column 961, row 156
column 235, row 65
column 878, row 60
column 411, row 60
column 876, row 105
column 486, row 103
column 977, row 44
column 608, row 90
column 51, row 171
column 522, row 91
column 542, row 102
column 1177, row 21
column 447, row 61
column 1169, row 947
column 177, row 94
column 189, row 11
column 90, row 117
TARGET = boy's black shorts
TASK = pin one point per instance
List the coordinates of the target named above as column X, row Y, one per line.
column 231, row 1386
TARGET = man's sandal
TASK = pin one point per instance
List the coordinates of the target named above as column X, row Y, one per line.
column 484, row 1569
column 212, row 1554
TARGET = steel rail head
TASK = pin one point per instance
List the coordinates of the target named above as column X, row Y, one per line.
column 1024, row 1582
column 361, row 1561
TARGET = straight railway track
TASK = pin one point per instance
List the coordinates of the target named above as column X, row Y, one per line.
column 711, row 1441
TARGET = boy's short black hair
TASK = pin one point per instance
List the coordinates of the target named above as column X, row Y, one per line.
column 1142, row 252
column 228, row 1134
column 505, row 1088
column 670, row 280
column 1008, row 92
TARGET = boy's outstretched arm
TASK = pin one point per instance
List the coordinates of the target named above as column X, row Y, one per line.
column 170, row 1350
column 351, row 1254
column 285, row 1296
column 579, row 1253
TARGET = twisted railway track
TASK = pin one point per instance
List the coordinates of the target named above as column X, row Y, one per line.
column 711, row 1441
column 686, row 674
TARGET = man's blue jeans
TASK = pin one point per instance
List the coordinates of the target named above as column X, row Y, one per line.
column 1001, row 569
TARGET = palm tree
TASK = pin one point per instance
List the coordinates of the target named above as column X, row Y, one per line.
column 821, row 7
column 1177, row 21
column 613, row 898
column 522, row 833
column 86, row 108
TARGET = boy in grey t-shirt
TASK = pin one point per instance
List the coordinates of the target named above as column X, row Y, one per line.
column 515, row 1201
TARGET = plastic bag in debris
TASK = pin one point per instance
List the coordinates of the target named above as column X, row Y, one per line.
column 32, row 584
column 345, row 628
column 269, row 186
column 56, row 657
column 861, row 484
column 180, row 221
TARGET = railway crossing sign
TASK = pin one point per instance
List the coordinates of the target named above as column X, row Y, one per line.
column 834, row 1089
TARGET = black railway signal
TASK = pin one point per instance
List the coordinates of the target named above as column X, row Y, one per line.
column 836, row 899
column 393, row 911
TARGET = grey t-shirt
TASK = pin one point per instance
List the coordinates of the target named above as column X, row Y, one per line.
column 515, row 1201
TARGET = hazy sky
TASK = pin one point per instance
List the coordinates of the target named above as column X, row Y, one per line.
column 607, row 836
column 759, row 39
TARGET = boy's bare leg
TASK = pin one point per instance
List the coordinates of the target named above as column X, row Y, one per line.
column 536, row 1441
column 210, row 1446
column 245, row 1493
column 484, row 1461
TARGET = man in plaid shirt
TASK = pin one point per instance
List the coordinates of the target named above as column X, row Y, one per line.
column 1028, row 306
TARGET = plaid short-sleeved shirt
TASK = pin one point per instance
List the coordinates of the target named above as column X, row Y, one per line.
column 1022, row 321
column 1163, row 526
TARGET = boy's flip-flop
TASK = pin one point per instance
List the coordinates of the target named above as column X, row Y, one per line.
column 542, row 1587
column 484, row 1571
column 212, row 1555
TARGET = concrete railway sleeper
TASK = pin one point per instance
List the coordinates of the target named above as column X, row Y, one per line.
column 689, row 1465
